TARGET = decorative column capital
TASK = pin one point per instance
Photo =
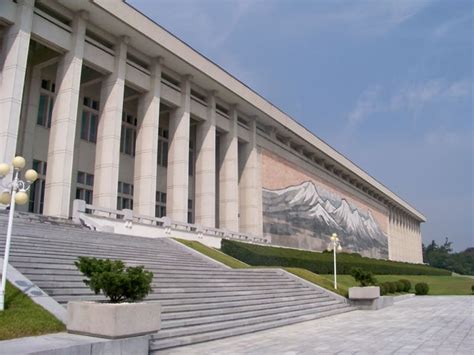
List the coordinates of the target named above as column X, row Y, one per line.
column 125, row 39
column 158, row 60
column 83, row 14
column 187, row 77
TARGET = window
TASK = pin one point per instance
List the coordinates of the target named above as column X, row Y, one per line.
column 160, row 207
column 191, row 157
column 84, row 187
column 36, row 201
column 124, row 196
column 129, row 134
column 190, row 211
column 163, row 147
column 46, row 103
column 222, row 110
column 90, row 119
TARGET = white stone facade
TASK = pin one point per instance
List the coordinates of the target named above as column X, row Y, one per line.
column 122, row 114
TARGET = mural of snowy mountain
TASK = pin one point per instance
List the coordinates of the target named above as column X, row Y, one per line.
column 305, row 215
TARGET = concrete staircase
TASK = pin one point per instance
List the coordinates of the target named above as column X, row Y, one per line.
column 201, row 300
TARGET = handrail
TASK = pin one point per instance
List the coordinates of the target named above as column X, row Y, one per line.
column 129, row 217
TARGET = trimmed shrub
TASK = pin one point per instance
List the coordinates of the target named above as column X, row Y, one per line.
column 400, row 286
column 383, row 288
column 407, row 285
column 393, row 287
column 321, row 263
column 422, row 288
column 364, row 278
column 117, row 283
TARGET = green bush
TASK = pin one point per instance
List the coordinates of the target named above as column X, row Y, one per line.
column 400, row 286
column 321, row 263
column 117, row 283
column 407, row 285
column 364, row 278
column 422, row 288
column 383, row 289
column 392, row 286
column 472, row 289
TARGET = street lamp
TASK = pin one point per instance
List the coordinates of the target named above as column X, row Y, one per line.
column 334, row 245
column 13, row 192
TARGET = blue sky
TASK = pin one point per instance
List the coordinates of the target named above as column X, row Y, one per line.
column 387, row 83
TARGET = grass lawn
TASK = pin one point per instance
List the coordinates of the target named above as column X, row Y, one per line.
column 214, row 254
column 22, row 317
column 439, row 285
column 319, row 280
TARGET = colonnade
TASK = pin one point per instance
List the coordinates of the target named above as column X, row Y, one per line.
column 404, row 237
column 227, row 192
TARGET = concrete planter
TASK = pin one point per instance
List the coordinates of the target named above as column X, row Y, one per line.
column 109, row 320
column 364, row 293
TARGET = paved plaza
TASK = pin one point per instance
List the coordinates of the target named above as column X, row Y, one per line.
column 421, row 325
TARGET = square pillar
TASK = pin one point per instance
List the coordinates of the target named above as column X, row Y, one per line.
column 27, row 140
column 205, row 187
column 57, row 199
column 178, row 157
column 107, row 153
column 13, row 63
column 146, row 151
column 250, row 186
column 229, row 176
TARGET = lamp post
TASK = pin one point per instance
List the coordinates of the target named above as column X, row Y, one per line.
column 335, row 245
column 13, row 192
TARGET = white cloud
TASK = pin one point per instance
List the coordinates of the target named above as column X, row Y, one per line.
column 408, row 98
column 355, row 17
column 451, row 24
column 367, row 104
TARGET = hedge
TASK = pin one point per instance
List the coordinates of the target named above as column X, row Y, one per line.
column 321, row 263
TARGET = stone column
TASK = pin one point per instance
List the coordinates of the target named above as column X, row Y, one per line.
column 178, row 157
column 205, row 186
column 229, row 176
column 107, row 153
column 250, row 186
column 13, row 63
column 57, row 199
column 146, row 151
column 26, row 143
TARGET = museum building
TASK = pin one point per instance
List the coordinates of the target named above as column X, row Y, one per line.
column 112, row 109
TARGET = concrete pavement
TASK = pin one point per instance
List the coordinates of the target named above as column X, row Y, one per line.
column 421, row 325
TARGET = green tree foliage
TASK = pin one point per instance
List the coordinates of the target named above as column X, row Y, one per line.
column 117, row 283
column 442, row 256
column 364, row 278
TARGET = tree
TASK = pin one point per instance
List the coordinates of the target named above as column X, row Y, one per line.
column 442, row 256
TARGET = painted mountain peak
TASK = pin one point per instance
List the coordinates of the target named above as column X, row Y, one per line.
column 305, row 215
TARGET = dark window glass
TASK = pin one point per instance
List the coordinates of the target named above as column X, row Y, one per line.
column 50, row 111
column 80, row 177
column 90, row 180
column 93, row 128
column 84, row 125
column 36, row 166
column 42, row 107
column 126, row 189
